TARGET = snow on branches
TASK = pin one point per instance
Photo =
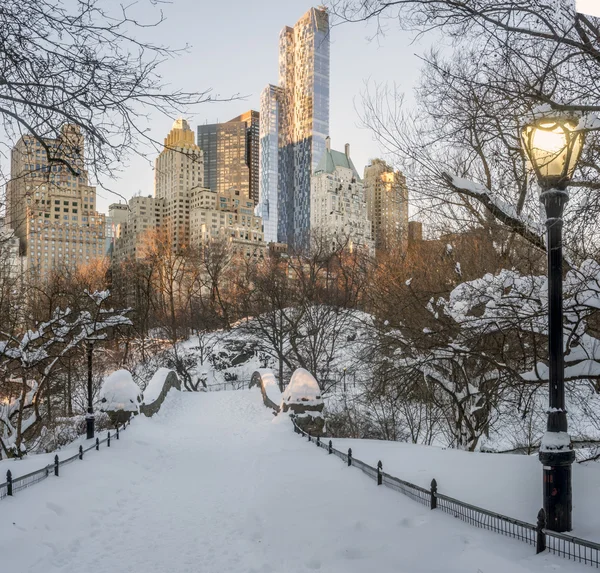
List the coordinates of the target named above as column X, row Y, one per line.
column 29, row 360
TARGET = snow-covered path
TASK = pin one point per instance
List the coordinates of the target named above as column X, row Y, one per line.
column 213, row 485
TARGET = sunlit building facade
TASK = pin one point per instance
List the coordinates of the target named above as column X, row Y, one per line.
column 50, row 205
column 387, row 205
column 231, row 154
column 301, row 107
column 179, row 169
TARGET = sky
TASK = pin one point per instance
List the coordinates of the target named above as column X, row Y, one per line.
column 234, row 50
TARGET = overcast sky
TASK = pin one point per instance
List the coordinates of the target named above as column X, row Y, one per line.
column 234, row 50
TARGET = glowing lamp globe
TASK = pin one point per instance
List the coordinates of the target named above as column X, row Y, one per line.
column 553, row 146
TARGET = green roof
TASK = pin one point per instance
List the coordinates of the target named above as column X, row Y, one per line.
column 332, row 159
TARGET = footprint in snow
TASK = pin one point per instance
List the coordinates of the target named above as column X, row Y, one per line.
column 55, row 508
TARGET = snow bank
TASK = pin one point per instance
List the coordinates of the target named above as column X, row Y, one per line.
column 303, row 388
column 120, row 392
column 155, row 386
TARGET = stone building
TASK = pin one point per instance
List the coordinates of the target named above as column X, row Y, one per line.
column 50, row 205
column 179, row 170
column 338, row 210
column 387, row 205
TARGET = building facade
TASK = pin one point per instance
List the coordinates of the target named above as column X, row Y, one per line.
column 338, row 210
column 302, row 115
column 50, row 205
column 387, row 205
column 231, row 154
column 271, row 100
column 144, row 213
column 192, row 214
column 179, row 170
column 226, row 216
column 251, row 119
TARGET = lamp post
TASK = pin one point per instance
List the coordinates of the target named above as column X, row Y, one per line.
column 553, row 145
column 89, row 418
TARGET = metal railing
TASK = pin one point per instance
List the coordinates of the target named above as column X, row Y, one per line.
column 13, row 485
column 563, row 545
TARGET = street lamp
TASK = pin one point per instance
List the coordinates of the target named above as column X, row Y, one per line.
column 89, row 418
column 553, row 145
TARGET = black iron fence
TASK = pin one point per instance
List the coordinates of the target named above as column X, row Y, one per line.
column 12, row 485
column 564, row 545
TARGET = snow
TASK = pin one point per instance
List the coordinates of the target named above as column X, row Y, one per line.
column 302, row 388
column 270, row 385
column 504, row 483
column 212, row 484
column 120, row 392
column 553, row 441
column 156, row 384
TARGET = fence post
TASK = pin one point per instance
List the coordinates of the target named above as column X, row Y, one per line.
column 349, row 456
column 309, row 438
column 117, row 431
column 56, row 465
column 541, row 536
column 8, row 483
column 97, row 444
column 108, row 441
column 379, row 474
column 80, row 452
column 330, row 449
column 433, row 494
column 318, row 441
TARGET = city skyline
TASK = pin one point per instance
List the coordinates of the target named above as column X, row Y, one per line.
column 352, row 63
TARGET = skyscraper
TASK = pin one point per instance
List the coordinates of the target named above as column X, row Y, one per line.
column 231, row 155
column 50, row 204
column 300, row 106
column 179, row 169
column 387, row 205
column 271, row 100
column 251, row 119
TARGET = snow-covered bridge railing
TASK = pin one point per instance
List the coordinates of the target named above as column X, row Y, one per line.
column 13, row 485
column 564, row 545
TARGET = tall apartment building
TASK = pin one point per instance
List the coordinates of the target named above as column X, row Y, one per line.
column 251, row 119
column 226, row 216
column 300, row 106
column 50, row 204
column 338, row 210
column 231, row 154
column 179, row 169
column 143, row 213
column 387, row 205
column 193, row 214
column 271, row 190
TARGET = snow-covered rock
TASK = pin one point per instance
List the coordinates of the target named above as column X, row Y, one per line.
column 303, row 388
column 302, row 398
column 120, row 396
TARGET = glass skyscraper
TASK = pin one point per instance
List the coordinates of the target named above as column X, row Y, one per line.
column 299, row 109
